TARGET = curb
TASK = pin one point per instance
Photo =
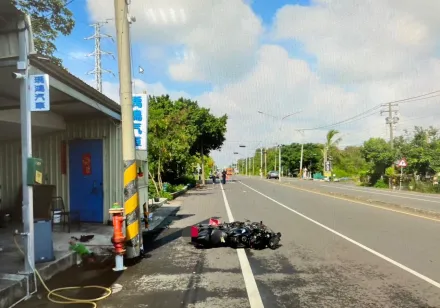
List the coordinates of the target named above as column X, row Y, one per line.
column 12, row 289
column 163, row 220
column 179, row 193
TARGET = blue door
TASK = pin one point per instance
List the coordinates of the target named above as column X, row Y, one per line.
column 86, row 179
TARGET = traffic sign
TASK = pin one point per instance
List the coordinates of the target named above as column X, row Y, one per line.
column 402, row 163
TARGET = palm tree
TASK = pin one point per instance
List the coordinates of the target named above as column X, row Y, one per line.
column 330, row 143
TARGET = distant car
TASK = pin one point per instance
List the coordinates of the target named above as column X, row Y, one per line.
column 272, row 175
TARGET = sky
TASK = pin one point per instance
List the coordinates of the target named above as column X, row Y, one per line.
column 320, row 61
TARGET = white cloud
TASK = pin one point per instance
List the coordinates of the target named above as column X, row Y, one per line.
column 367, row 52
column 204, row 33
column 356, row 41
column 378, row 51
column 279, row 86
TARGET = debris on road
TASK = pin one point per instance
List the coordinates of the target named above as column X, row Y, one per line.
column 236, row 234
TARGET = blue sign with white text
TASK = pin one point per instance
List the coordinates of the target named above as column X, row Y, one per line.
column 39, row 92
column 140, row 117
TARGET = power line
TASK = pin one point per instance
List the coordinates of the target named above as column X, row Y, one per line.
column 98, row 70
column 371, row 111
column 364, row 114
column 418, row 97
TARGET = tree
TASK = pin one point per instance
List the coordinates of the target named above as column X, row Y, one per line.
column 49, row 19
column 176, row 131
column 378, row 153
column 330, row 146
column 170, row 137
column 210, row 132
column 421, row 151
column 349, row 162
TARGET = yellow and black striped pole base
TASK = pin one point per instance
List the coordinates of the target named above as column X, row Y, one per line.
column 132, row 212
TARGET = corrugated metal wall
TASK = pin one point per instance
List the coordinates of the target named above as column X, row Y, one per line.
column 48, row 148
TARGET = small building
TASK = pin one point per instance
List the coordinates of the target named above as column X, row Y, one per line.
column 78, row 140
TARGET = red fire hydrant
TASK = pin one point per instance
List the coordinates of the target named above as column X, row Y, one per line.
column 118, row 238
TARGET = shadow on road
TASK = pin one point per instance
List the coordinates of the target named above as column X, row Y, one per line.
column 166, row 235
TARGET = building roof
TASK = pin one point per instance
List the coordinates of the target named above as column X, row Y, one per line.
column 67, row 78
column 7, row 8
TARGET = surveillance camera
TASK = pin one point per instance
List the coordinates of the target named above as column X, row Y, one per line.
column 17, row 76
column 131, row 19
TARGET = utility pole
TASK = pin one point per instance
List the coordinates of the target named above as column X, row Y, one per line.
column 131, row 196
column 301, row 161
column 261, row 162
column 26, row 145
column 279, row 163
column 98, row 70
column 392, row 118
column 265, row 161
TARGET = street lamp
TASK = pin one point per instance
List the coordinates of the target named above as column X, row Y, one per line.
column 281, row 122
column 236, row 153
column 243, row 146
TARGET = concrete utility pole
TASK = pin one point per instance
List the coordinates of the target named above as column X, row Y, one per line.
column 131, row 196
column 301, row 160
column 26, row 146
column 98, row 70
column 265, row 161
column 392, row 118
column 244, row 146
column 279, row 163
column 261, row 162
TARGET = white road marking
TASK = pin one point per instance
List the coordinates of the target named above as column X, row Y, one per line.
column 249, row 279
column 379, row 193
column 378, row 254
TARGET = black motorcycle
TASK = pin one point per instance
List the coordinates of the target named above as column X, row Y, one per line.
column 252, row 235
column 236, row 235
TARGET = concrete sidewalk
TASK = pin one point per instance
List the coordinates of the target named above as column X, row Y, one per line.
column 174, row 273
column 13, row 285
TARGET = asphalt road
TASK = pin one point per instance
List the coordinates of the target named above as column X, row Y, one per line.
column 334, row 253
column 428, row 202
column 317, row 268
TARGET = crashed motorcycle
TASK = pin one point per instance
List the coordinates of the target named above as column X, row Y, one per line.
column 237, row 234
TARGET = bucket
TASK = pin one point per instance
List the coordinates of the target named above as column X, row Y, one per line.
column 56, row 217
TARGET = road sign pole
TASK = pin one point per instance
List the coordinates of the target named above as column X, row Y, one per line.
column 401, row 175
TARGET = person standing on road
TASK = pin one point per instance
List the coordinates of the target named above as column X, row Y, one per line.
column 213, row 177
column 224, row 176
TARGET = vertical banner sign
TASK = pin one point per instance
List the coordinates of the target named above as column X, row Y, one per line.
column 140, row 117
column 39, row 92
column 87, row 164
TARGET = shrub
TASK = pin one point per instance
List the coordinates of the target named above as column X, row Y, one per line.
column 381, row 184
column 188, row 180
column 166, row 194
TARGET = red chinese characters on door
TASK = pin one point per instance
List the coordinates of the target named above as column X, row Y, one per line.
column 87, row 164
